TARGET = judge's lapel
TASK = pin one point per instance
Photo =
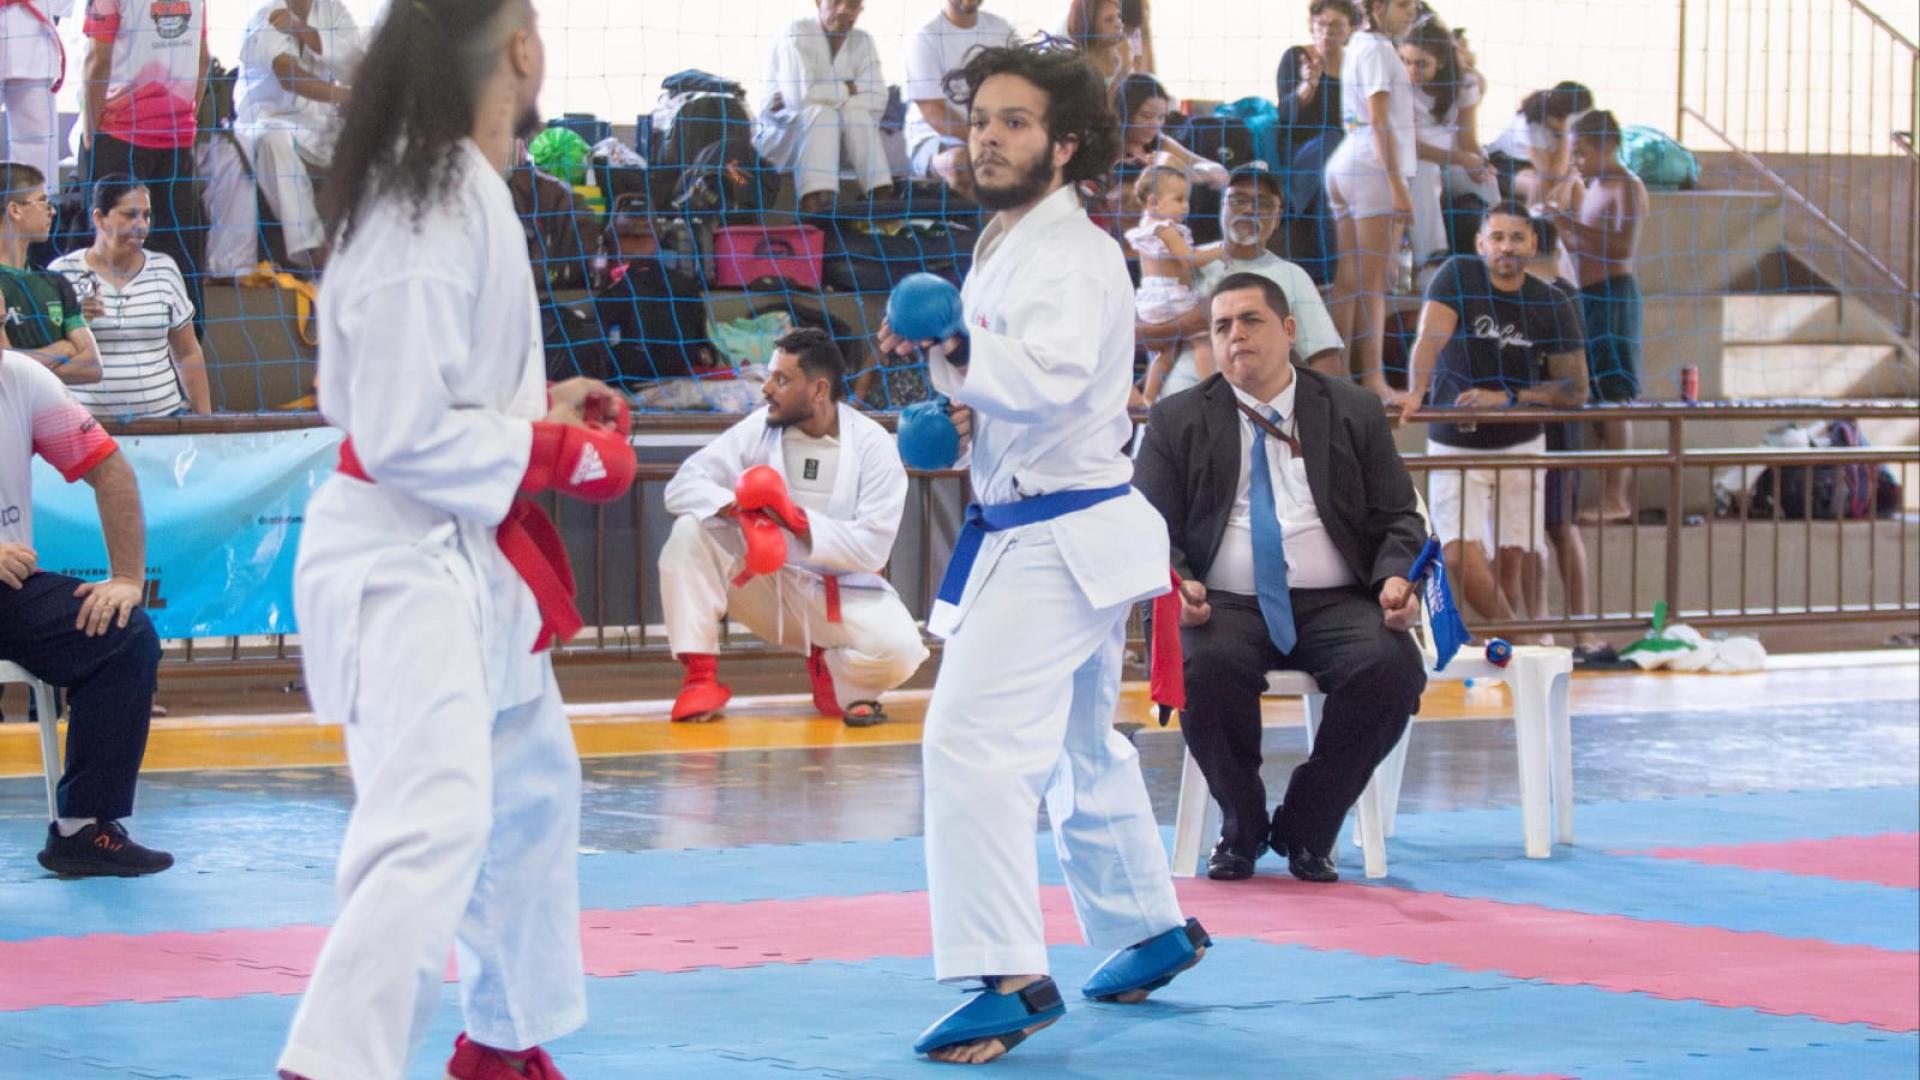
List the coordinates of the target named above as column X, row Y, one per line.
column 1313, row 425
column 1222, row 419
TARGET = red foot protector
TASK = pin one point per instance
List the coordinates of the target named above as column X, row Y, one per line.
column 471, row 1061
column 702, row 693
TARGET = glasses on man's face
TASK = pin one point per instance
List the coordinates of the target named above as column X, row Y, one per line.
column 1251, row 204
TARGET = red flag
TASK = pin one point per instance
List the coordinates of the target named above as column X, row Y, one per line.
column 1167, row 678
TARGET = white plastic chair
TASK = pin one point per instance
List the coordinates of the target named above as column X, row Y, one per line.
column 46, row 704
column 1536, row 678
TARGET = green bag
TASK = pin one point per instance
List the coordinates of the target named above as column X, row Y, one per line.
column 1657, row 160
column 560, row 152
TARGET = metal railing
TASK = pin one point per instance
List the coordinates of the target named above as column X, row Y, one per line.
column 1786, row 568
column 1822, row 98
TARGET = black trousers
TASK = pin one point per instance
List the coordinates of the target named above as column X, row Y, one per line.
column 109, row 682
column 179, row 228
column 1372, row 677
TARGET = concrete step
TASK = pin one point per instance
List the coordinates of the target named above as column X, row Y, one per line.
column 1803, row 318
column 1815, row 371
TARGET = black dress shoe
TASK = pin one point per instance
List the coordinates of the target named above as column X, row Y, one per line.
column 1307, row 866
column 1228, row 865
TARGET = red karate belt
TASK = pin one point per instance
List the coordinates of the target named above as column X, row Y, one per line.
column 1166, row 666
column 534, row 549
column 59, row 47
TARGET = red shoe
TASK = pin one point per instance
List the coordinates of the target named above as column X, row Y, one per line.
column 702, row 694
column 471, row 1061
column 826, row 700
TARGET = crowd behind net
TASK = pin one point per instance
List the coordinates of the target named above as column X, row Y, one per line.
column 668, row 268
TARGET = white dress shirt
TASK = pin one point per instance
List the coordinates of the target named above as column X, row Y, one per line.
column 1312, row 560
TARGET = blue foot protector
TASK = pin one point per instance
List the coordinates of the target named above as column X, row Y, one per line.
column 1149, row 965
column 991, row 1015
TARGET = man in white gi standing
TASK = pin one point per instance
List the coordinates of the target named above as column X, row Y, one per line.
column 1035, row 601
column 429, row 583
column 832, row 481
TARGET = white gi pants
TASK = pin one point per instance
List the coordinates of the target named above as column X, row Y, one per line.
column 465, row 832
column 872, row 649
column 30, row 128
column 280, row 155
column 1024, row 707
column 807, row 142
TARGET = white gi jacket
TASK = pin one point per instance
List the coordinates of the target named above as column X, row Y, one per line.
column 804, row 70
column 854, row 539
column 434, row 369
column 1049, row 311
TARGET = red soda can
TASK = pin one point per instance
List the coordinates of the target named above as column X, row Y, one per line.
column 1690, row 385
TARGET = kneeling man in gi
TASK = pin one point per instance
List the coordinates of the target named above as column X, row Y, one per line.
column 783, row 524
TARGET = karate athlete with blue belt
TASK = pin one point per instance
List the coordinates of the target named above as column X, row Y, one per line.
column 1035, row 600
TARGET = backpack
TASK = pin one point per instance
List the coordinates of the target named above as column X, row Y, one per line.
column 694, row 122
column 726, row 178
column 1263, row 121
column 1856, row 478
column 660, row 317
column 560, row 228
column 1657, row 159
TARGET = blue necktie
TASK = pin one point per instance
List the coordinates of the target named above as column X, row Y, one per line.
column 1269, row 551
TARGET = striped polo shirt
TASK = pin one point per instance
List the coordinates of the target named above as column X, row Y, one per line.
column 137, row 372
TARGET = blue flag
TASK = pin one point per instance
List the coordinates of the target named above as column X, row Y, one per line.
column 1429, row 574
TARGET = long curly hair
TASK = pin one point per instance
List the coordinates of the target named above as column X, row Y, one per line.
column 414, row 98
column 1078, row 108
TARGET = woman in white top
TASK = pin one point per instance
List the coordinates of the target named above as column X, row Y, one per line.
column 138, row 309
column 1533, row 156
column 1368, row 181
column 1446, row 100
column 1112, row 35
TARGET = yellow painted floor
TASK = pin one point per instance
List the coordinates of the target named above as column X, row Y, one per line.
column 772, row 723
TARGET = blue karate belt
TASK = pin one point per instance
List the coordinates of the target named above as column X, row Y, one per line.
column 982, row 520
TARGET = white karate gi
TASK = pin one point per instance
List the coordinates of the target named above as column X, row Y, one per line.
column 30, row 63
column 1031, row 673
column 417, row 634
column 818, row 115
column 282, row 132
column 875, row 646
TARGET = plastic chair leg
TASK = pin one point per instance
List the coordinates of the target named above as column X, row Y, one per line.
column 47, row 704
column 1560, row 732
column 1196, row 821
column 1531, row 678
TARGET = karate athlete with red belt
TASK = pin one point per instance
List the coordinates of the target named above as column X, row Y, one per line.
column 784, row 523
column 429, row 584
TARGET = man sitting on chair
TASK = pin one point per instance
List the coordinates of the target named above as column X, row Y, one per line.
column 1294, row 524
column 824, row 486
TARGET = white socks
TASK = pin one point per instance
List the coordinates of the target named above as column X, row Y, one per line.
column 70, row 825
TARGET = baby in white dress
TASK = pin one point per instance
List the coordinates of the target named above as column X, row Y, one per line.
column 1168, row 259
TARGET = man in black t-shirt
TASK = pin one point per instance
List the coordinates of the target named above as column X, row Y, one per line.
column 1487, row 330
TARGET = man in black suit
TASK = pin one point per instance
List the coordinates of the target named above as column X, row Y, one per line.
column 1300, row 565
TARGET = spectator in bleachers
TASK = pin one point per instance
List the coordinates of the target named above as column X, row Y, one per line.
column 936, row 127
column 1143, row 105
column 1532, row 157
column 41, row 310
column 1249, row 215
column 91, row 638
column 150, row 360
column 1169, row 261
column 32, row 65
column 1487, row 329
column 1446, row 101
column 1113, row 34
column 824, row 93
column 1601, row 231
column 1311, row 127
column 296, row 70
column 1368, row 180
column 146, row 68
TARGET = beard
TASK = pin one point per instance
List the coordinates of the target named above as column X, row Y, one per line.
column 1028, row 185
column 529, row 123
